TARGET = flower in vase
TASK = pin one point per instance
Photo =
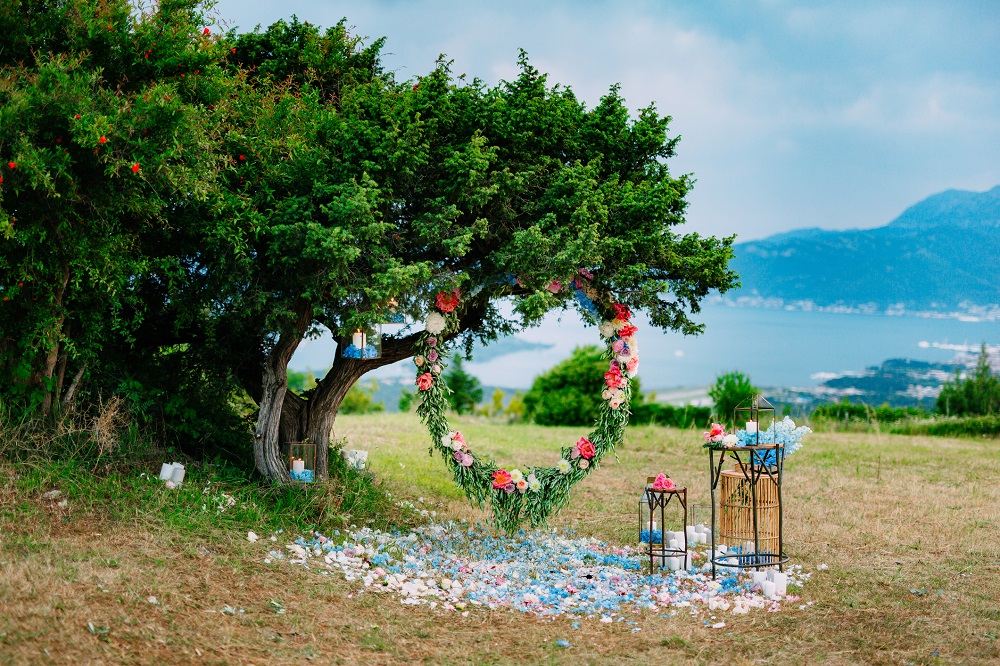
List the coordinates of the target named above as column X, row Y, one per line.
column 715, row 433
column 564, row 466
column 435, row 323
column 501, row 478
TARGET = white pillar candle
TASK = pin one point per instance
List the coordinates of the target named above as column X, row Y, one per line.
column 759, row 577
column 751, row 426
column 780, row 583
column 358, row 339
column 298, row 465
column 691, row 533
column 177, row 476
column 672, row 563
column 687, row 561
column 767, row 587
column 770, row 574
column 672, row 544
column 166, row 471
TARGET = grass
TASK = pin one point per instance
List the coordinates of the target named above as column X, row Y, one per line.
column 908, row 526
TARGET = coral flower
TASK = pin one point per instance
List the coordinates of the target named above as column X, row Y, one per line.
column 103, row 139
column 447, row 302
column 622, row 312
column 424, row 381
column 627, row 331
column 585, row 448
column 500, row 479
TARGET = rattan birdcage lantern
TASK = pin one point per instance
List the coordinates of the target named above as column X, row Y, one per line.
column 364, row 343
column 757, row 415
column 302, row 461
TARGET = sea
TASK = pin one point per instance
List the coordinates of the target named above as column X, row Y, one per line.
column 774, row 347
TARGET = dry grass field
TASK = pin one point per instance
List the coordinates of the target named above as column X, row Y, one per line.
column 909, row 528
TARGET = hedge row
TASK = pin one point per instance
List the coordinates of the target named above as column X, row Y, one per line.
column 668, row 415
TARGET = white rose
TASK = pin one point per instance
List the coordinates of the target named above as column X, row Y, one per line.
column 730, row 440
column 435, row 323
column 456, row 445
column 615, row 403
column 607, row 394
column 436, row 369
column 446, row 441
column 564, row 466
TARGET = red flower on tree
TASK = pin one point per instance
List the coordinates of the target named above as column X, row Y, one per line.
column 102, row 140
column 622, row 312
column 135, row 168
column 447, row 302
column 11, row 164
column 627, row 331
column 206, row 31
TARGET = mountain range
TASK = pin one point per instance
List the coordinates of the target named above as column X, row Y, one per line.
column 940, row 256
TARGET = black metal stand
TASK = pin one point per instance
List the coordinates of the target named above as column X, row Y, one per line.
column 753, row 469
column 659, row 499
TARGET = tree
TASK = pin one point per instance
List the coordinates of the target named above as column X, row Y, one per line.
column 108, row 145
column 466, row 391
column 298, row 186
column 361, row 399
column 978, row 394
column 729, row 390
column 569, row 393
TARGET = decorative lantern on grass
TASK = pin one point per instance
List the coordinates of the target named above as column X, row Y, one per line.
column 364, row 343
column 665, row 547
column 757, row 414
column 302, row 461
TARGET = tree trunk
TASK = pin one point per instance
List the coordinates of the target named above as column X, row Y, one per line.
column 313, row 418
column 266, row 441
column 54, row 339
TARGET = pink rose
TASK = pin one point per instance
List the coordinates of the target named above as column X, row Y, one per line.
column 632, row 364
column 431, row 341
column 458, row 437
column 586, row 448
column 432, row 356
column 424, row 381
column 466, row 460
column 555, row 286
column 617, row 346
column 613, row 378
column 447, row 302
column 458, row 456
column 663, row 483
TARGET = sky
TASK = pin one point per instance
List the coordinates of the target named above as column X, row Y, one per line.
column 791, row 114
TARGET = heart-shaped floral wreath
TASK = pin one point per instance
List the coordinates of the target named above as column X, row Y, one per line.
column 516, row 495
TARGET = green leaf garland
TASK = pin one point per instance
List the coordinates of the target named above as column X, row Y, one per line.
column 545, row 489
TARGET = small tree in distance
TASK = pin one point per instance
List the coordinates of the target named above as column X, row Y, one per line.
column 730, row 389
column 466, row 391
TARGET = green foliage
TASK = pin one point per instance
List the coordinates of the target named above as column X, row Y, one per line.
column 466, row 390
column 652, row 413
column 300, row 382
column 729, row 390
column 360, row 399
column 407, row 400
column 969, row 426
column 516, row 409
column 570, row 392
column 978, row 394
column 846, row 412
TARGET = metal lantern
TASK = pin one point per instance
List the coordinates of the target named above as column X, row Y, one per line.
column 757, row 414
column 364, row 343
column 664, row 538
column 302, row 461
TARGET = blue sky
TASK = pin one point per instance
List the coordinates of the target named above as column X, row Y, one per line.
column 829, row 114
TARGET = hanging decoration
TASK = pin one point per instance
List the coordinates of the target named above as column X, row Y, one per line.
column 531, row 494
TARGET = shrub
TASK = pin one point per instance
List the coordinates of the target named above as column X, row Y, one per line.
column 651, row 413
column 360, row 399
column 570, row 393
column 729, row 391
column 976, row 395
column 466, row 391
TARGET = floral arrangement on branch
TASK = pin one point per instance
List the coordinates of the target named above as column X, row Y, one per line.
column 783, row 432
column 531, row 494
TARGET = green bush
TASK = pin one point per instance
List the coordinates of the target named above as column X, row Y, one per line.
column 570, row 393
column 360, row 399
column 976, row 395
column 729, row 391
column 848, row 412
column 970, row 426
column 651, row 413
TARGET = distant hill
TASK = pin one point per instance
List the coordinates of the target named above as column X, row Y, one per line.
column 939, row 255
